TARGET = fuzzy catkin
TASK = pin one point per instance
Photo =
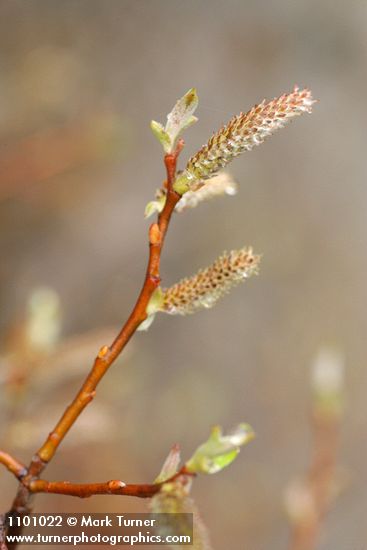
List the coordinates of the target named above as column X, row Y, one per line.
column 221, row 184
column 205, row 288
column 243, row 132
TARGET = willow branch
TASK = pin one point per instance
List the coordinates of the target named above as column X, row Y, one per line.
column 108, row 354
column 114, row 487
column 13, row 465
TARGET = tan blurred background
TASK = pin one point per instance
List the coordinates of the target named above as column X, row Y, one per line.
column 79, row 83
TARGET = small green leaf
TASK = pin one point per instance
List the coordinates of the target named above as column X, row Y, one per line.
column 146, row 323
column 170, row 466
column 161, row 135
column 181, row 116
column 156, row 302
column 190, row 121
column 151, row 208
column 154, row 206
column 220, row 450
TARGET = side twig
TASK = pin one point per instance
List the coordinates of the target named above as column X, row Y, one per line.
column 13, row 465
column 114, row 487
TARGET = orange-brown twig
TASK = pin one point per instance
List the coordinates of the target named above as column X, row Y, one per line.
column 13, row 465
column 107, row 355
column 310, row 500
column 114, row 487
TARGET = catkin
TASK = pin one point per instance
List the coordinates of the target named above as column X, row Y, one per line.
column 221, row 184
column 242, row 133
column 205, row 288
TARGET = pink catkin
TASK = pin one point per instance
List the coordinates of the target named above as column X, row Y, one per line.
column 244, row 131
column 205, row 288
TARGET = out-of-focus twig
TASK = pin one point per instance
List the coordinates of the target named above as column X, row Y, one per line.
column 2, row 533
column 53, row 151
column 309, row 500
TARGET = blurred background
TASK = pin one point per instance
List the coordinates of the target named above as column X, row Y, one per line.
column 80, row 81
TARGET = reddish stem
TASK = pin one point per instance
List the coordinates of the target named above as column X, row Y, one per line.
column 107, row 355
column 115, row 487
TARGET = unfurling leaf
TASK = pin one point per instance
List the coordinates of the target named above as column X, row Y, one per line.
column 170, row 466
column 180, row 118
column 204, row 289
column 242, row 133
column 145, row 325
column 220, row 450
column 155, row 304
column 161, row 135
column 155, row 206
